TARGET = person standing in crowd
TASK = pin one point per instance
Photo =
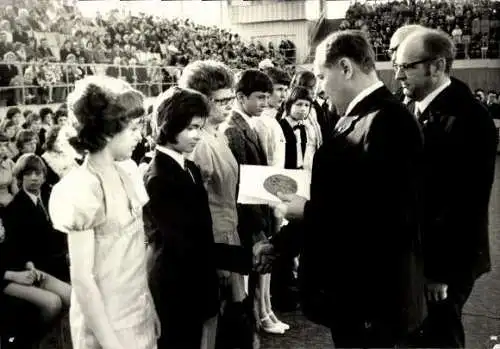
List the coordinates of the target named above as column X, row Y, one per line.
column 399, row 35
column 300, row 145
column 98, row 207
column 267, row 127
column 220, row 172
column 459, row 165
column 364, row 198
column 255, row 222
column 184, row 256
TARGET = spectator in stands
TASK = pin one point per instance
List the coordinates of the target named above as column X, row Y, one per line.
column 10, row 130
column 493, row 104
column 8, row 185
column 34, row 249
column 9, row 76
column 480, row 95
column 34, row 124
column 47, row 116
column 58, row 155
column 26, row 143
column 61, row 116
column 14, row 114
column 44, row 51
column 65, row 50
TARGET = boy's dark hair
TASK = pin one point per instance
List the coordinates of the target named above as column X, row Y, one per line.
column 175, row 111
column 253, row 80
column 297, row 93
column 44, row 112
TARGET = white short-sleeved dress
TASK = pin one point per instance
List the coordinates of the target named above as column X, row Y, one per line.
column 90, row 197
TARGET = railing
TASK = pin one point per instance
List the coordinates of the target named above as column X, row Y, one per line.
column 43, row 83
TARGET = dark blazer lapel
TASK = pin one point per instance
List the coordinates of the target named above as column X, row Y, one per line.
column 166, row 166
column 441, row 102
column 366, row 106
column 245, row 128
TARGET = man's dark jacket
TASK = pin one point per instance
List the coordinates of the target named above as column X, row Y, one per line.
column 361, row 263
column 460, row 152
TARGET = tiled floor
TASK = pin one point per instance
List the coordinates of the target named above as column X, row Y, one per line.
column 482, row 312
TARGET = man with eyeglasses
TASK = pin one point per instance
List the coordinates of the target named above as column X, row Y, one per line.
column 399, row 35
column 459, row 164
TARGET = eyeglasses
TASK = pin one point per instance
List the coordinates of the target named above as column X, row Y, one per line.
column 411, row 65
column 222, row 101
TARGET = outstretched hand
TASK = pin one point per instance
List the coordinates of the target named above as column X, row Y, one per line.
column 291, row 206
column 263, row 256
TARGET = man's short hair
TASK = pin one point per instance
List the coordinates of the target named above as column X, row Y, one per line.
column 352, row 44
column 206, row 76
column 253, row 80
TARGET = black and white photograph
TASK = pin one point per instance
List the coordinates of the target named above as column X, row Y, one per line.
column 249, row 174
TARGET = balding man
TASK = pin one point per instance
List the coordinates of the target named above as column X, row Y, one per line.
column 399, row 35
column 360, row 268
column 459, row 163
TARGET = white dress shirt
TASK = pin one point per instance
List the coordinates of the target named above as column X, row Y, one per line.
column 178, row 157
column 362, row 95
column 424, row 103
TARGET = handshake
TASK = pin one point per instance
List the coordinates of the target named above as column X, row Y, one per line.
column 263, row 257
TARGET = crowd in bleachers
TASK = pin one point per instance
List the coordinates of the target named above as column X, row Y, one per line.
column 147, row 51
column 474, row 25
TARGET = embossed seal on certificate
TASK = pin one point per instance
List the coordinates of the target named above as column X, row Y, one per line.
column 280, row 183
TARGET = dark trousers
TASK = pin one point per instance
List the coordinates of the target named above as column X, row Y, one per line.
column 443, row 327
column 181, row 332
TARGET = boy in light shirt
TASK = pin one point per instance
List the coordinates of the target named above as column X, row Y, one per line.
column 267, row 127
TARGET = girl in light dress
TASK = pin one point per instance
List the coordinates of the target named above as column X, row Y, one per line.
column 98, row 206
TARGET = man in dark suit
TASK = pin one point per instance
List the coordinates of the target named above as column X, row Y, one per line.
column 459, row 164
column 360, row 270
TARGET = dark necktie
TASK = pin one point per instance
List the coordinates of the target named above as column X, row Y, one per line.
column 186, row 168
column 303, row 136
column 41, row 207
